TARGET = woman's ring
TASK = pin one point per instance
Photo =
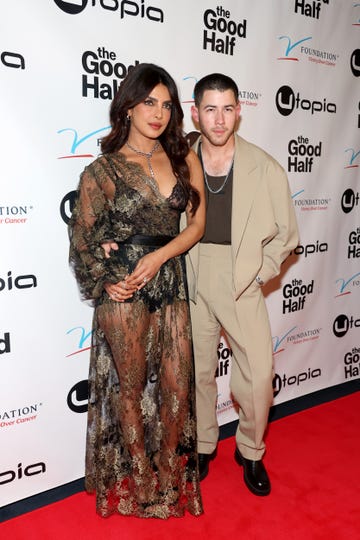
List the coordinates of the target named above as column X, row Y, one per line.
column 145, row 279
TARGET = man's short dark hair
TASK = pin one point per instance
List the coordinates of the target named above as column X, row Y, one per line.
column 214, row 81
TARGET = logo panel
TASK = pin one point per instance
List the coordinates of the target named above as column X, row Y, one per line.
column 355, row 63
column 12, row 60
column 221, row 32
column 129, row 8
column 78, row 396
column 287, row 101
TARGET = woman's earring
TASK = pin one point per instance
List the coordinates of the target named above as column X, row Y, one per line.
column 128, row 117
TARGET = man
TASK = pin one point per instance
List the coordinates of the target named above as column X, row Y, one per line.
column 251, row 228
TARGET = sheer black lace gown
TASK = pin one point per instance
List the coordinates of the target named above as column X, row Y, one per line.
column 141, row 438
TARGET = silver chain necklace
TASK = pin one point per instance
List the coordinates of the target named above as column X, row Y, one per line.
column 147, row 155
column 216, row 191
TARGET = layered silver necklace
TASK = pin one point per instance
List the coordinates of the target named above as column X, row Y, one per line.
column 216, row 191
column 147, row 155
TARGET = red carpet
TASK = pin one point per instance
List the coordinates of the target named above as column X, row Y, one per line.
column 314, row 464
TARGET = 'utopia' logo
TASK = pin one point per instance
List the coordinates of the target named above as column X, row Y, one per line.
column 286, row 102
column 78, row 396
column 355, row 63
column 12, row 60
column 349, row 200
column 342, row 324
column 126, row 7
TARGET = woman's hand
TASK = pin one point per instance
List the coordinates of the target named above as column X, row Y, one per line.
column 145, row 270
column 121, row 291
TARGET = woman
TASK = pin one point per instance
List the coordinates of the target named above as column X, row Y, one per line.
column 141, row 443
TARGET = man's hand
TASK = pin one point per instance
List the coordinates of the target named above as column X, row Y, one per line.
column 107, row 247
column 121, row 291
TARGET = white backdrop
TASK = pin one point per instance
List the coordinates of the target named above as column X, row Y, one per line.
column 297, row 65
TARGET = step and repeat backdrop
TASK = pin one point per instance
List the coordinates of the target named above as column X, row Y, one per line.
column 297, row 65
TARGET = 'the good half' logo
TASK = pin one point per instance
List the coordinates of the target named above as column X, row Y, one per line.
column 310, row 9
column 221, row 32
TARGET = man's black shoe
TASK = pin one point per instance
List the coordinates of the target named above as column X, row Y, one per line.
column 204, row 460
column 255, row 475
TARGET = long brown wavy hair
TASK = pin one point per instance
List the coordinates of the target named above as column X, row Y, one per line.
column 134, row 89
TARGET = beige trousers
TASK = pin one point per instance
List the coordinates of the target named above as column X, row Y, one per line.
column 247, row 330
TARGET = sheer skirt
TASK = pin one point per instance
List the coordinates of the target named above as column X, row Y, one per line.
column 141, row 449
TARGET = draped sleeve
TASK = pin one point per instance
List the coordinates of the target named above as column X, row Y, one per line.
column 89, row 227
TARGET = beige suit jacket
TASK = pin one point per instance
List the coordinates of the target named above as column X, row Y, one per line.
column 263, row 222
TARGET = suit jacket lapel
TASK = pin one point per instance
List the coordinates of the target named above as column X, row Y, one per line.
column 245, row 184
